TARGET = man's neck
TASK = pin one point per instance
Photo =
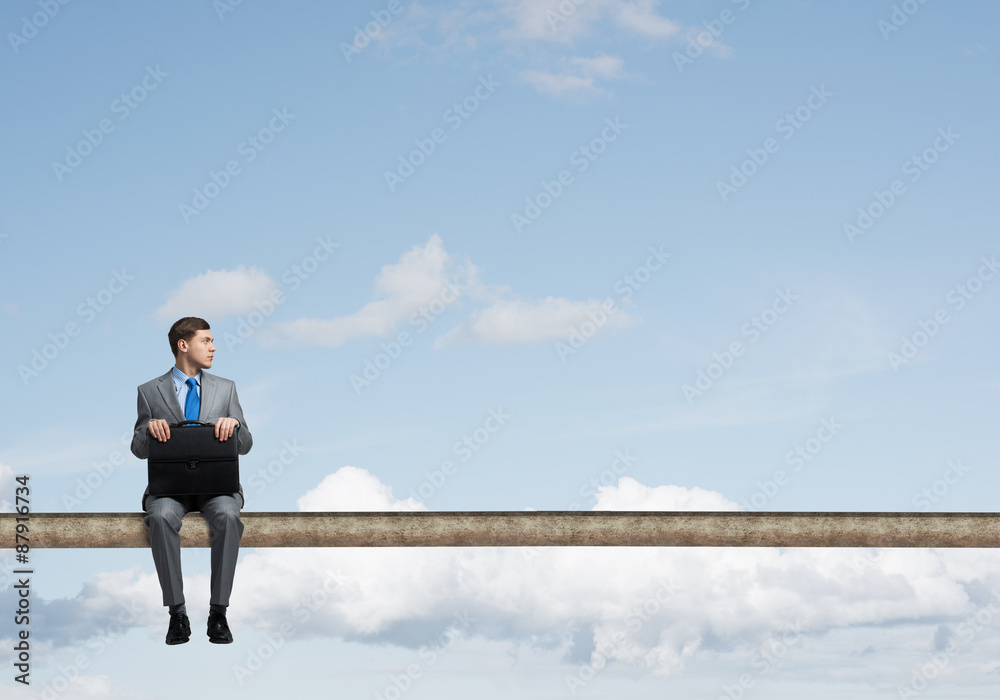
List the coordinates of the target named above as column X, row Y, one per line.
column 188, row 369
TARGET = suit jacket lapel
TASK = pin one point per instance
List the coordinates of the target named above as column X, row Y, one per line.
column 169, row 396
column 209, row 389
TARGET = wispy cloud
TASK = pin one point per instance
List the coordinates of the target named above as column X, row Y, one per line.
column 562, row 85
column 642, row 18
column 422, row 275
column 510, row 321
column 576, row 77
column 535, row 35
column 217, row 293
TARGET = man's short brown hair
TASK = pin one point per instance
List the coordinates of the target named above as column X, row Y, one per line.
column 184, row 329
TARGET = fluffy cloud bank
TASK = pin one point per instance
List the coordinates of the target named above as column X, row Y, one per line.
column 651, row 609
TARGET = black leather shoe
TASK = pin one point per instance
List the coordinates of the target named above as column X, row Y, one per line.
column 218, row 629
column 179, row 630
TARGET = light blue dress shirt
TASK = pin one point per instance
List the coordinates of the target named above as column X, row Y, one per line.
column 181, row 387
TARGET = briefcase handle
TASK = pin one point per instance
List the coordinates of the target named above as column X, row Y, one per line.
column 191, row 422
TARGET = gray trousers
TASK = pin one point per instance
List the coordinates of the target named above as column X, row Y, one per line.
column 163, row 516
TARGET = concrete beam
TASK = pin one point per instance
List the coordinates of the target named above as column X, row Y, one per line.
column 530, row 528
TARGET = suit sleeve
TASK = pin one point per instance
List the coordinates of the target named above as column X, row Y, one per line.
column 236, row 411
column 140, row 434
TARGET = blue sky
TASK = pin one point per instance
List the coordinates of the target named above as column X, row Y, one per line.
column 721, row 255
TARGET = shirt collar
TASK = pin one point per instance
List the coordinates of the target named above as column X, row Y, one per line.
column 181, row 378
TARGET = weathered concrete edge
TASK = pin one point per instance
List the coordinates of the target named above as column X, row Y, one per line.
column 533, row 528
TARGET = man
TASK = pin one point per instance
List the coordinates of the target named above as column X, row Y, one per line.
column 187, row 392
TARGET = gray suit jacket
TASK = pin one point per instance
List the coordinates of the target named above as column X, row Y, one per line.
column 158, row 399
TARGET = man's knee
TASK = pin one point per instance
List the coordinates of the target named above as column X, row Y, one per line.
column 164, row 516
column 224, row 519
column 224, row 515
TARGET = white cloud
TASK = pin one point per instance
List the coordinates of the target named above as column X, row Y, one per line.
column 353, row 489
column 708, row 42
column 562, row 85
column 544, row 20
column 600, row 65
column 663, row 605
column 641, row 17
column 524, row 29
column 81, row 687
column 566, row 20
column 577, row 76
column 422, row 275
column 217, row 293
column 428, row 274
column 629, row 494
column 510, row 321
column 108, row 605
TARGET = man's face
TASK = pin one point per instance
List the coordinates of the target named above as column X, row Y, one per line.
column 199, row 350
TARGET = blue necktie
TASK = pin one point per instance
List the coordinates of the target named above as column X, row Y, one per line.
column 192, row 407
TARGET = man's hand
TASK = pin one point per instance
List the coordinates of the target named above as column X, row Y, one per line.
column 159, row 429
column 224, row 428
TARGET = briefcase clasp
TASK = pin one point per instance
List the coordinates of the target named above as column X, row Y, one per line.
column 192, row 464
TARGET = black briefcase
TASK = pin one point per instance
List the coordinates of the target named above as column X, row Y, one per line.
column 194, row 462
